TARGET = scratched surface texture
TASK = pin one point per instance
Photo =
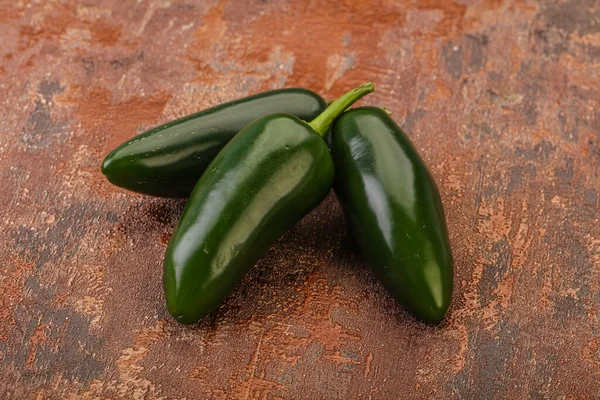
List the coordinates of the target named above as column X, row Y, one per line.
column 501, row 98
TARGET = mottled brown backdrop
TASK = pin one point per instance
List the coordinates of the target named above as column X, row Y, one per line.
column 501, row 98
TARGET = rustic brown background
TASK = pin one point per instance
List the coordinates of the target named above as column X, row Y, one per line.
column 502, row 99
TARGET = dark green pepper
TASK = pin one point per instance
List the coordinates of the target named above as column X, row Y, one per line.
column 168, row 160
column 394, row 210
column 266, row 179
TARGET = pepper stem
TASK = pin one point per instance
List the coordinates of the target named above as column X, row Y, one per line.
column 323, row 122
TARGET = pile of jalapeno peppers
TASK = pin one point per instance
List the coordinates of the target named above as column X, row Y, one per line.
column 252, row 168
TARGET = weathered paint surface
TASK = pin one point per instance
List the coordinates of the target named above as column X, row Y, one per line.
column 501, row 97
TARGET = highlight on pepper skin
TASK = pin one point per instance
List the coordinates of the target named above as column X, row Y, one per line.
column 168, row 160
column 273, row 173
column 394, row 209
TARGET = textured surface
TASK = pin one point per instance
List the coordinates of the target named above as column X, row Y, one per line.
column 502, row 99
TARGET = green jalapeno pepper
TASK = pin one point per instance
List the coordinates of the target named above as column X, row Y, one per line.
column 394, row 210
column 168, row 160
column 266, row 179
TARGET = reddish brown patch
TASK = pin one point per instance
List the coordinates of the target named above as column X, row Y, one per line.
column 99, row 113
column 11, row 11
column 105, row 34
column 439, row 91
column 354, row 22
column 56, row 21
column 591, row 353
column 524, row 6
column 165, row 237
column 454, row 13
column 39, row 337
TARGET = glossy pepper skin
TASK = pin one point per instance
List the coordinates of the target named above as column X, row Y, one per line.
column 271, row 175
column 266, row 179
column 167, row 160
column 394, row 210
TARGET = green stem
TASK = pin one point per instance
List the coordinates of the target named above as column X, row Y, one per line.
column 324, row 120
